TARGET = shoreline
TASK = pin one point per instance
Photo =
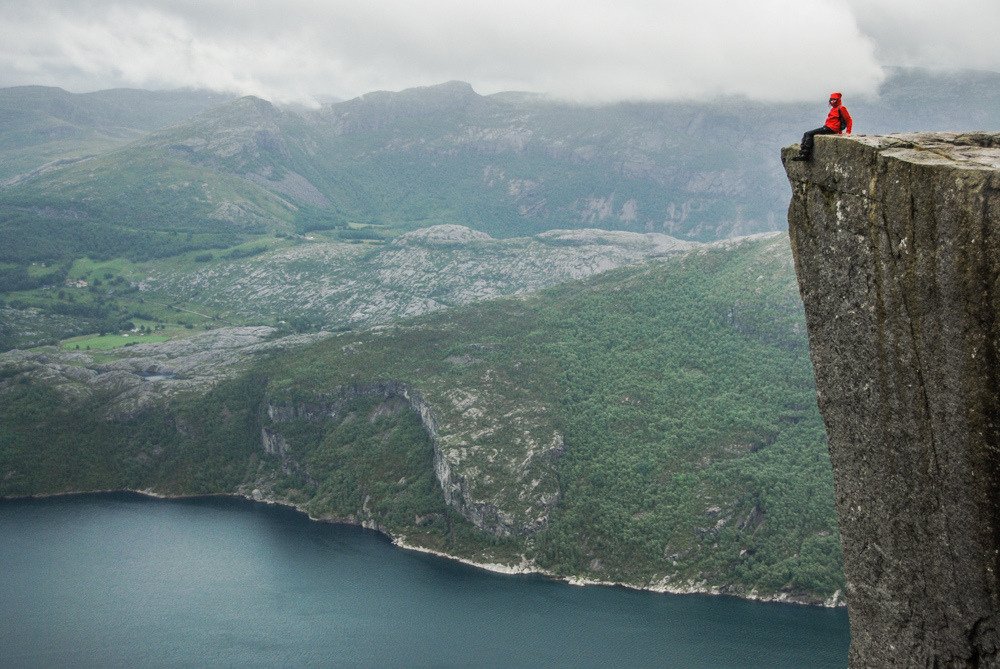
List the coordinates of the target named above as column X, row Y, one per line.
column 525, row 568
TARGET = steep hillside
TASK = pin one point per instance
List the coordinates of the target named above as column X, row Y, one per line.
column 654, row 425
column 150, row 199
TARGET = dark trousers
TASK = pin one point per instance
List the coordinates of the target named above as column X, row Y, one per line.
column 806, row 148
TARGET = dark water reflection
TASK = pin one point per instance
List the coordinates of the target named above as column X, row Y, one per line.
column 102, row 580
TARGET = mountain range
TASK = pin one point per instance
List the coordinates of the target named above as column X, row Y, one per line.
column 507, row 164
column 549, row 336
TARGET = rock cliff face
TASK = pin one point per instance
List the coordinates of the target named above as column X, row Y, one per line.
column 457, row 477
column 897, row 250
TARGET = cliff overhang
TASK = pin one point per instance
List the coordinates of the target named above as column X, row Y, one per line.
column 896, row 241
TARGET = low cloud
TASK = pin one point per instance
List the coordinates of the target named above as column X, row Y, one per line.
column 936, row 35
column 581, row 50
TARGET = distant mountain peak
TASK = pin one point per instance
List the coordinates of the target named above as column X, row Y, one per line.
column 255, row 103
column 450, row 95
column 248, row 111
column 454, row 86
column 33, row 88
column 448, row 88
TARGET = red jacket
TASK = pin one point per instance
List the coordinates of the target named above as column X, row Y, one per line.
column 834, row 118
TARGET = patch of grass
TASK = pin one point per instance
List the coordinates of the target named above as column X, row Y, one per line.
column 89, row 269
column 107, row 342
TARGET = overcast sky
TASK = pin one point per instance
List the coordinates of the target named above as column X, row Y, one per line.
column 294, row 50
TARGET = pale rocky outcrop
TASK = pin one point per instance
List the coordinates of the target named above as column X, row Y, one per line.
column 146, row 375
column 354, row 285
column 273, row 443
column 897, row 249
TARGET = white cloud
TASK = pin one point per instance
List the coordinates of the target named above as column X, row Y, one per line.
column 582, row 49
column 937, row 35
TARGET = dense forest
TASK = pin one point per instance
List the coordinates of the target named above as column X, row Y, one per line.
column 692, row 450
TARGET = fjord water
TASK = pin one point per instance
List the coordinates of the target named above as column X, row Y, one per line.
column 123, row 580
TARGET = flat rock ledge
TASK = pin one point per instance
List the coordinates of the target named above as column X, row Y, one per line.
column 896, row 242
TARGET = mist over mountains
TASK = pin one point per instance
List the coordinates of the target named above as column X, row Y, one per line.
column 402, row 310
column 153, row 174
column 41, row 123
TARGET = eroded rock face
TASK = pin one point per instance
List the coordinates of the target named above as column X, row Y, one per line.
column 897, row 249
column 464, row 480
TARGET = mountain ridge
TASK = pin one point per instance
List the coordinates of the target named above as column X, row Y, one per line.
column 509, row 165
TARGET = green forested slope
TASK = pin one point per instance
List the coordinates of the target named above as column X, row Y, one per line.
column 689, row 451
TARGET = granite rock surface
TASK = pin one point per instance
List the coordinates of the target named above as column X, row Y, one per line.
column 897, row 249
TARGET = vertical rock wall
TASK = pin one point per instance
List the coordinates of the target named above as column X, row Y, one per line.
column 897, row 249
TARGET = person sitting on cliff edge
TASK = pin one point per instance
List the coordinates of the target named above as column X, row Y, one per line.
column 837, row 121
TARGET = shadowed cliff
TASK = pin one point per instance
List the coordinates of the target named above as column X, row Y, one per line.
column 897, row 250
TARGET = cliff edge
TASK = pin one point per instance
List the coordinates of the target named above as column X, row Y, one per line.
column 896, row 242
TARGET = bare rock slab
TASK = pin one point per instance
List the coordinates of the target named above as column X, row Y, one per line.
column 896, row 242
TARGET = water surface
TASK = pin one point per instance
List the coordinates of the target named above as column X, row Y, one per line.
column 122, row 580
